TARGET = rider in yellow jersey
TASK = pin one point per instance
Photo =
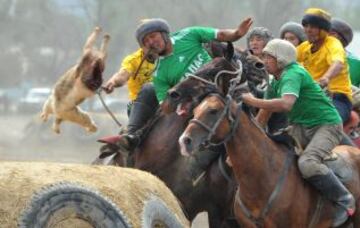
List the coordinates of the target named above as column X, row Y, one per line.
column 325, row 58
column 136, row 70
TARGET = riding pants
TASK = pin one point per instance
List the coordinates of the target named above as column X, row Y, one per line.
column 143, row 108
column 343, row 105
column 318, row 143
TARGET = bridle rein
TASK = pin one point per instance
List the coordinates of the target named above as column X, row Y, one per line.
column 226, row 113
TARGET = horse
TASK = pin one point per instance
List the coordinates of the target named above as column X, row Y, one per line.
column 184, row 96
column 271, row 191
column 159, row 154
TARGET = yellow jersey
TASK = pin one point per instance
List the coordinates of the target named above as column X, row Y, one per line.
column 131, row 64
column 318, row 63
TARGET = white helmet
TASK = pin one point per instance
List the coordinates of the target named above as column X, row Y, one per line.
column 282, row 50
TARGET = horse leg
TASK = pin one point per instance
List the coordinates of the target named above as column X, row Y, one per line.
column 91, row 39
column 80, row 117
column 104, row 46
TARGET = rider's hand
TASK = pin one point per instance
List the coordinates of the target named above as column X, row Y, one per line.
column 109, row 86
column 323, row 82
column 247, row 97
column 244, row 26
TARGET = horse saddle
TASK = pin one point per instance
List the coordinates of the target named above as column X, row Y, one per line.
column 335, row 161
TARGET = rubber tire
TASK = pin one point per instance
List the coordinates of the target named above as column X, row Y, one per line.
column 57, row 200
column 157, row 214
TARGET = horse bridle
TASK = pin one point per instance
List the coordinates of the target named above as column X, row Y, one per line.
column 238, row 71
column 226, row 113
column 258, row 221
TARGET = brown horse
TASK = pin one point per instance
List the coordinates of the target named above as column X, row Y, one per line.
column 159, row 154
column 271, row 190
column 189, row 92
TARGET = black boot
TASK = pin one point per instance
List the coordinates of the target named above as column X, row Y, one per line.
column 200, row 162
column 139, row 115
column 330, row 186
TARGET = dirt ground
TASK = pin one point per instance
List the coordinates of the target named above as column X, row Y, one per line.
column 25, row 138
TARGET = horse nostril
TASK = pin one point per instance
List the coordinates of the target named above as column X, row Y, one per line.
column 259, row 65
column 174, row 95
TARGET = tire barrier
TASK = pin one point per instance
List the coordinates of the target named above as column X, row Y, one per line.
column 55, row 204
column 36, row 193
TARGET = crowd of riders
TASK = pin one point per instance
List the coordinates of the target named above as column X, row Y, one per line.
column 313, row 82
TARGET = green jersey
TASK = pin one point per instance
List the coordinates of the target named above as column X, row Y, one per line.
column 312, row 107
column 354, row 68
column 187, row 56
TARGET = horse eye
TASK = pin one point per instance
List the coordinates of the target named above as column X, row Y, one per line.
column 174, row 95
column 259, row 65
column 213, row 111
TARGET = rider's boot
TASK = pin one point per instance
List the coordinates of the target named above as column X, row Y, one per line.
column 200, row 162
column 331, row 187
column 139, row 115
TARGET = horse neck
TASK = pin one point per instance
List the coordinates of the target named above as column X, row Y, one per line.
column 257, row 161
column 160, row 146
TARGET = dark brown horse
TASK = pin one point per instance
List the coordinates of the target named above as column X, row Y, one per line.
column 159, row 154
column 189, row 92
column 271, row 191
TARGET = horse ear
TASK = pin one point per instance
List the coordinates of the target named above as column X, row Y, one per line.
column 229, row 54
column 216, row 49
column 249, row 52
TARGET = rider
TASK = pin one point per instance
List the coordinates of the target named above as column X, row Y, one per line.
column 293, row 32
column 136, row 70
column 179, row 53
column 324, row 57
column 343, row 31
column 293, row 91
column 257, row 39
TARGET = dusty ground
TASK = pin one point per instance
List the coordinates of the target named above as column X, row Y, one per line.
column 25, row 138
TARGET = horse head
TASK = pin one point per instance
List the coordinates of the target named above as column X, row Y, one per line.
column 213, row 123
column 217, row 76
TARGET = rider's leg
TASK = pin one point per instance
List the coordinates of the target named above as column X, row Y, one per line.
column 324, row 139
column 343, row 106
column 143, row 108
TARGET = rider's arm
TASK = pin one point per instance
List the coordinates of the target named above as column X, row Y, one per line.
column 333, row 71
column 283, row 104
column 263, row 117
column 121, row 77
column 117, row 80
column 234, row 34
column 336, row 58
